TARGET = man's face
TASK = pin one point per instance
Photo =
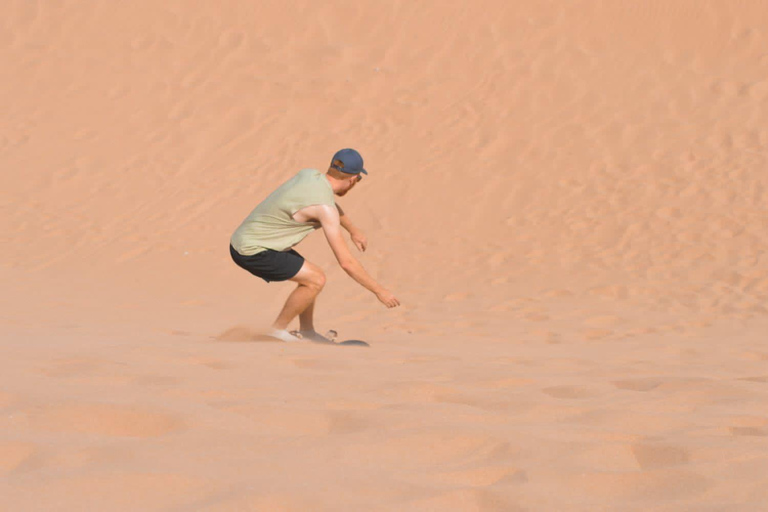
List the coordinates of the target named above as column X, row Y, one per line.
column 350, row 184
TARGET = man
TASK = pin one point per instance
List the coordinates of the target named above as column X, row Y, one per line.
column 263, row 243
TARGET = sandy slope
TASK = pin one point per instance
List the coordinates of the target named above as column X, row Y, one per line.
column 569, row 199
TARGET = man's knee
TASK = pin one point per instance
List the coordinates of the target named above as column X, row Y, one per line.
column 317, row 280
column 311, row 276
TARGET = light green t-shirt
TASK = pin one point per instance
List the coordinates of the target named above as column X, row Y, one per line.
column 271, row 226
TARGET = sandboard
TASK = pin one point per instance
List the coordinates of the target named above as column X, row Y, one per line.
column 331, row 335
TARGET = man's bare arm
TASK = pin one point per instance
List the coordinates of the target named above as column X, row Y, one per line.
column 344, row 220
column 357, row 236
column 328, row 217
column 329, row 220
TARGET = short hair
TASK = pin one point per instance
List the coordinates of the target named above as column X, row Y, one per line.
column 338, row 174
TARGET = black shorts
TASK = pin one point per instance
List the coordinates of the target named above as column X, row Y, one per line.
column 270, row 265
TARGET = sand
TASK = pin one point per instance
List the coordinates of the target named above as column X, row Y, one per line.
column 568, row 198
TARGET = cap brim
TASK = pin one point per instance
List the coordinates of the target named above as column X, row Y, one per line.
column 352, row 173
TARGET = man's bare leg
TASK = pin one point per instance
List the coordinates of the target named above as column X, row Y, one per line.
column 306, row 320
column 311, row 280
column 307, row 325
column 301, row 298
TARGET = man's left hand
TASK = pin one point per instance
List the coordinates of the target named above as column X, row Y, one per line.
column 359, row 240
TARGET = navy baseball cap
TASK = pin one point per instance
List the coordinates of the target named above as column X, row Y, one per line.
column 350, row 162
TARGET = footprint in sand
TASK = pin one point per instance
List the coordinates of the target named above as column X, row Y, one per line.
column 748, row 431
column 346, row 422
column 651, row 456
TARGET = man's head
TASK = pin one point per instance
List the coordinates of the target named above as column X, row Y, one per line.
column 346, row 171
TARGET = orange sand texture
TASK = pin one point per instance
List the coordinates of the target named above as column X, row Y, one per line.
column 568, row 198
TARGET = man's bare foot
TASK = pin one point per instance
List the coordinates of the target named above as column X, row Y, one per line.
column 282, row 334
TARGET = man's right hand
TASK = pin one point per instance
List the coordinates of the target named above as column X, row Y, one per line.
column 386, row 298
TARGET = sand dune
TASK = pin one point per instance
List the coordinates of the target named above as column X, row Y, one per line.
column 568, row 198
